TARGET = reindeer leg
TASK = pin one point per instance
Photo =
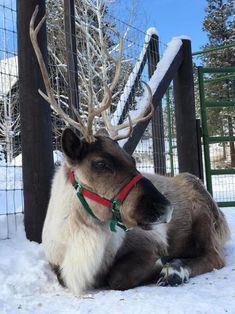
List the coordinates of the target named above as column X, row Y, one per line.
column 57, row 271
column 203, row 256
column 173, row 274
column 132, row 269
column 178, row 271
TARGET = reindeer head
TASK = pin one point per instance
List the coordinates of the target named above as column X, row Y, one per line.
column 105, row 169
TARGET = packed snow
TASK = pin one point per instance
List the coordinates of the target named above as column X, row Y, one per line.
column 11, row 195
column 29, row 286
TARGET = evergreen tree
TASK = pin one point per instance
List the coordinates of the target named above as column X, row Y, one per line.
column 219, row 23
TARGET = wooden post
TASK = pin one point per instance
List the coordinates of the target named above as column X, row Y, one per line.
column 71, row 52
column 36, row 131
column 157, row 119
column 187, row 146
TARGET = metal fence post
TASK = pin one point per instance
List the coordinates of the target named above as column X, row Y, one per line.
column 36, row 130
column 188, row 155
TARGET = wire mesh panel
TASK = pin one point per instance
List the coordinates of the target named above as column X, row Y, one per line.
column 11, row 196
column 144, row 152
column 218, row 117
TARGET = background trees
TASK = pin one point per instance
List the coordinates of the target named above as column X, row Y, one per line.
column 219, row 23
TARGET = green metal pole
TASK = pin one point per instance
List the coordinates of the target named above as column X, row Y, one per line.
column 222, row 78
column 205, row 130
column 218, row 70
column 213, row 49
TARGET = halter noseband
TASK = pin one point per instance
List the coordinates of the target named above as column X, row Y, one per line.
column 113, row 204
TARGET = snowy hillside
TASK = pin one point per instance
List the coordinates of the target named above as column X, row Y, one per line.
column 29, row 286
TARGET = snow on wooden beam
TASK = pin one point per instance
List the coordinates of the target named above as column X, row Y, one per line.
column 159, row 82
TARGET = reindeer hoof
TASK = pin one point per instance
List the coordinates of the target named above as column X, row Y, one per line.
column 173, row 274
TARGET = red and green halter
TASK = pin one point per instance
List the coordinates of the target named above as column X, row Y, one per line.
column 113, row 204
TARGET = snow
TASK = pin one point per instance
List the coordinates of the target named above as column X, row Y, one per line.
column 17, row 161
column 132, row 77
column 163, row 65
column 223, row 188
column 29, row 286
column 150, row 32
column 9, row 75
column 11, row 192
column 184, row 37
column 10, row 189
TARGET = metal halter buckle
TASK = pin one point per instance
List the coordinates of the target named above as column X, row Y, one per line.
column 79, row 188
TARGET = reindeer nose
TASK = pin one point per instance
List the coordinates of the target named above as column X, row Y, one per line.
column 156, row 211
column 153, row 206
column 166, row 216
column 150, row 215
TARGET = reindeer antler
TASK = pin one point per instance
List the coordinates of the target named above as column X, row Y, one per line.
column 49, row 97
column 146, row 114
column 101, row 110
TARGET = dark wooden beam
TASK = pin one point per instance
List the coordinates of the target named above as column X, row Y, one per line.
column 186, row 130
column 139, row 129
column 36, row 130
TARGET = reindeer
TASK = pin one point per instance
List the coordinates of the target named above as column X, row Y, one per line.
column 109, row 225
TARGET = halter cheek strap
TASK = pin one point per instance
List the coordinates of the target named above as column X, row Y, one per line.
column 113, row 204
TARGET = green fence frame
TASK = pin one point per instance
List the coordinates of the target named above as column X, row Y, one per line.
column 207, row 140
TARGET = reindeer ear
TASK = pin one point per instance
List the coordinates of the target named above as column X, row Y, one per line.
column 102, row 132
column 71, row 144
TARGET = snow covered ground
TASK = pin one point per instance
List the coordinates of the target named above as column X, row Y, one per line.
column 29, row 286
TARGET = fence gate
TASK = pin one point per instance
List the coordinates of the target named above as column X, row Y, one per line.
column 217, row 99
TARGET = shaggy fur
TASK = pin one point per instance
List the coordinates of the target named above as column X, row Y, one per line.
column 86, row 254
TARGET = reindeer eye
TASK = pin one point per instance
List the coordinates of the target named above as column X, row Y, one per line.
column 102, row 166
